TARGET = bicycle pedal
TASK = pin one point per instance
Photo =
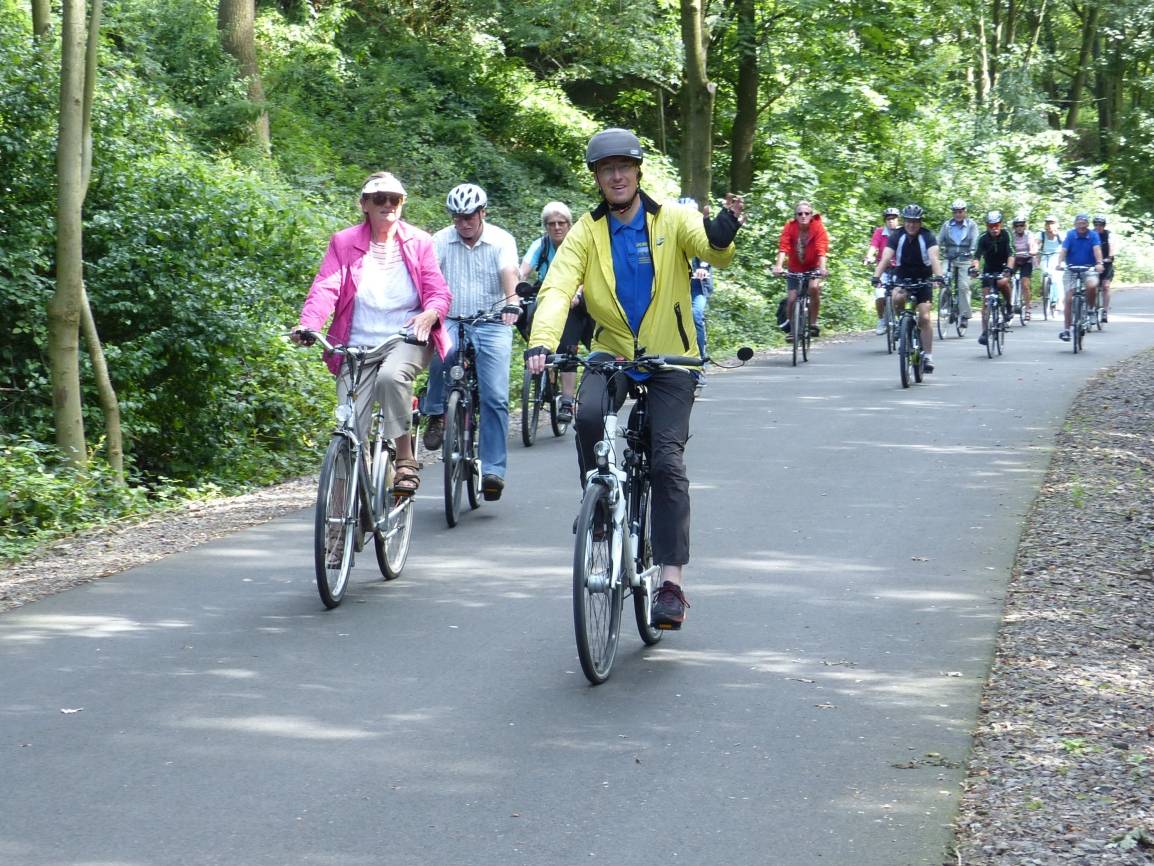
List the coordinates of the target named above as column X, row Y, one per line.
column 668, row 626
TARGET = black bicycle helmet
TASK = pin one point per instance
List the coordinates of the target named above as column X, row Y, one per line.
column 613, row 142
column 913, row 212
column 891, row 212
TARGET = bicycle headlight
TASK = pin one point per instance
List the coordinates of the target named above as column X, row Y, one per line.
column 601, row 454
column 344, row 413
column 457, row 373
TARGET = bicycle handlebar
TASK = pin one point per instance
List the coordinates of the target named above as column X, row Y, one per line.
column 649, row 362
column 336, row 349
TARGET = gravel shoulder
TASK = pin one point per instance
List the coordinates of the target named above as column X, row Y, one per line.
column 1062, row 766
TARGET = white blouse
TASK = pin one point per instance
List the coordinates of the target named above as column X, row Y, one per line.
column 386, row 297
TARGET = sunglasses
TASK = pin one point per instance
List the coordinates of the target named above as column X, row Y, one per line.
column 383, row 198
column 803, row 213
column 556, row 224
column 465, row 217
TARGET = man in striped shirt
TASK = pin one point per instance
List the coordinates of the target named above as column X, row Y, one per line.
column 479, row 262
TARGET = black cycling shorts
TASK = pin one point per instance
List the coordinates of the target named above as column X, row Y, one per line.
column 1025, row 268
column 922, row 294
column 1107, row 271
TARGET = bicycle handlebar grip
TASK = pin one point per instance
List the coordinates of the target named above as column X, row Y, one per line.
column 682, row 360
column 412, row 340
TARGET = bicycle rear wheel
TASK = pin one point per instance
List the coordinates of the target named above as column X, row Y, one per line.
column 597, row 591
column 454, row 457
column 335, row 524
column 553, row 387
column 905, row 351
column 643, row 556
column 530, row 407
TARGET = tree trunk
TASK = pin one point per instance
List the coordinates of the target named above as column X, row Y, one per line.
column 109, row 405
column 982, row 91
column 65, row 305
column 659, row 98
column 745, row 117
column 696, row 105
column 1089, row 15
column 41, row 18
column 235, row 19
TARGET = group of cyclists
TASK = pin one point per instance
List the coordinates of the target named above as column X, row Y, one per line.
column 623, row 280
column 911, row 252
column 620, row 279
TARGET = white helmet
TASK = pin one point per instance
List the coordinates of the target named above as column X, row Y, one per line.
column 466, row 198
column 557, row 207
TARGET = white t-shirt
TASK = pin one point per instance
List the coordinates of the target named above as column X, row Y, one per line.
column 386, row 297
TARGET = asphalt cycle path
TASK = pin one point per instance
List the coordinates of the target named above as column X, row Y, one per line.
column 852, row 543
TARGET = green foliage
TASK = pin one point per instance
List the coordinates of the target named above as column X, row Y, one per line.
column 43, row 497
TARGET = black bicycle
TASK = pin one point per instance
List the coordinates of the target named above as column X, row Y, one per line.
column 997, row 318
column 355, row 496
column 890, row 317
column 540, row 390
column 949, row 310
column 911, row 353
column 799, row 326
column 1080, row 320
column 461, row 447
column 613, row 554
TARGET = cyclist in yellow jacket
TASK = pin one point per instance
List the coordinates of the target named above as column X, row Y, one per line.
column 631, row 254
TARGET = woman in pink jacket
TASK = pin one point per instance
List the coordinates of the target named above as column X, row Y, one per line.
column 378, row 278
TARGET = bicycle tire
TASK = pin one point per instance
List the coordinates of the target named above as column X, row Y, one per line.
column 919, row 354
column 552, row 386
column 793, row 327
column 805, row 334
column 991, row 327
column 530, row 407
column 472, row 426
column 1076, row 323
column 454, row 457
column 382, row 479
column 944, row 305
column 905, row 353
column 1003, row 329
column 1046, row 289
column 337, row 511
column 643, row 557
column 395, row 537
column 597, row 593
column 891, row 327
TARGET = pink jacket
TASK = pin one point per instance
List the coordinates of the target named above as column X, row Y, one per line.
column 335, row 287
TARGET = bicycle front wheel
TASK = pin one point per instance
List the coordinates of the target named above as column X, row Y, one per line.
column 643, row 556
column 906, row 352
column 1045, row 297
column 891, row 328
column 1077, row 324
column 335, row 526
column 454, row 457
column 795, row 328
column 530, row 407
column 805, row 335
column 471, row 421
column 944, row 306
column 598, row 591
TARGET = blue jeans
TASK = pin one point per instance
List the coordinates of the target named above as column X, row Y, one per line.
column 699, row 303
column 494, row 350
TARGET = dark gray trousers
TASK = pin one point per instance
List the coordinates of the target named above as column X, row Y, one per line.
column 670, row 403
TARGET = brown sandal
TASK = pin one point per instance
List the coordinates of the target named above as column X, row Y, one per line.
column 406, row 477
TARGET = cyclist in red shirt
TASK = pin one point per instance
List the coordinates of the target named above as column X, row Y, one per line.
column 805, row 243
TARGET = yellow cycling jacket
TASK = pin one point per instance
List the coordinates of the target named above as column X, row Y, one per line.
column 676, row 234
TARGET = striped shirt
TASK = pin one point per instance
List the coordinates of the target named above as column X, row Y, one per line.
column 386, row 297
column 474, row 273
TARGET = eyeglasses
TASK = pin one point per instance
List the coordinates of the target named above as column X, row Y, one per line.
column 556, row 224
column 384, row 198
column 803, row 213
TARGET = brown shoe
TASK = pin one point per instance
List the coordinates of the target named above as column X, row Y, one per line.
column 434, row 432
